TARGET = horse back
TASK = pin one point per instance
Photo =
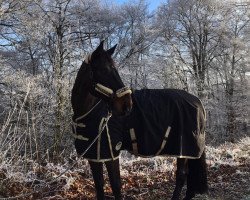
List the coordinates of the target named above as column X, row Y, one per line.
column 166, row 122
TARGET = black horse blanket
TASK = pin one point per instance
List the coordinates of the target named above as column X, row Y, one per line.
column 87, row 128
column 162, row 122
column 166, row 122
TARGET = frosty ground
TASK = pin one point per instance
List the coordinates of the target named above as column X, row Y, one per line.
column 228, row 176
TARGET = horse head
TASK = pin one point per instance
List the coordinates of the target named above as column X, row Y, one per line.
column 106, row 81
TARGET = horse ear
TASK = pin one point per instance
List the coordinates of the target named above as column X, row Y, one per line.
column 111, row 50
column 100, row 47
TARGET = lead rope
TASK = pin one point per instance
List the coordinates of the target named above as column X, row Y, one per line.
column 103, row 125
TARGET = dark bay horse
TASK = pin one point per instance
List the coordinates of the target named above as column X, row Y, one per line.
column 172, row 123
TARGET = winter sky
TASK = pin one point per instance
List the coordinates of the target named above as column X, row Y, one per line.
column 153, row 4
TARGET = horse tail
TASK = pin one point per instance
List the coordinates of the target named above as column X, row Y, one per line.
column 197, row 175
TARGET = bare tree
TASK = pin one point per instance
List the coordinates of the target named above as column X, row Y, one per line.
column 135, row 38
column 188, row 27
column 231, row 61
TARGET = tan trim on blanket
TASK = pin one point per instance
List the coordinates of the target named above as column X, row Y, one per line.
column 102, row 160
column 168, row 155
column 133, row 140
column 99, row 139
column 164, row 141
column 110, row 144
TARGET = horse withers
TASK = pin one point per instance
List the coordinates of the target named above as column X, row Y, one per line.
column 145, row 122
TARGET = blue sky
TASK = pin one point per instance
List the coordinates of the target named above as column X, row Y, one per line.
column 153, row 4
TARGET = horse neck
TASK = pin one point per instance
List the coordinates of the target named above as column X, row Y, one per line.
column 81, row 99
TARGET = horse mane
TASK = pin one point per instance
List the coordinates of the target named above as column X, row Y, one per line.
column 79, row 88
column 88, row 58
column 80, row 77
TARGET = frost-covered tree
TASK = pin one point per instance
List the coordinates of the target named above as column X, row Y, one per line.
column 188, row 27
column 134, row 36
column 207, row 40
column 231, row 61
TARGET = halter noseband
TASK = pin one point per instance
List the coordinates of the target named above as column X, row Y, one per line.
column 106, row 91
column 110, row 93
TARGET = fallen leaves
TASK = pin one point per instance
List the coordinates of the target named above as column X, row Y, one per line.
column 228, row 176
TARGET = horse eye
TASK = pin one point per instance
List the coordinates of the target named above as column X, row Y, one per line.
column 109, row 68
column 105, row 69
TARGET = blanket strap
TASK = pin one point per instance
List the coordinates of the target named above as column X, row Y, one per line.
column 133, row 140
column 75, row 135
column 110, row 143
column 79, row 137
column 164, row 141
column 79, row 124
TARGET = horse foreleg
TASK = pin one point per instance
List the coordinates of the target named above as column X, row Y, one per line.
column 113, row 169
column 181, row 176
column 97, row 173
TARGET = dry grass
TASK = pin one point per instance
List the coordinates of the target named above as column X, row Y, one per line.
column 228, row 175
